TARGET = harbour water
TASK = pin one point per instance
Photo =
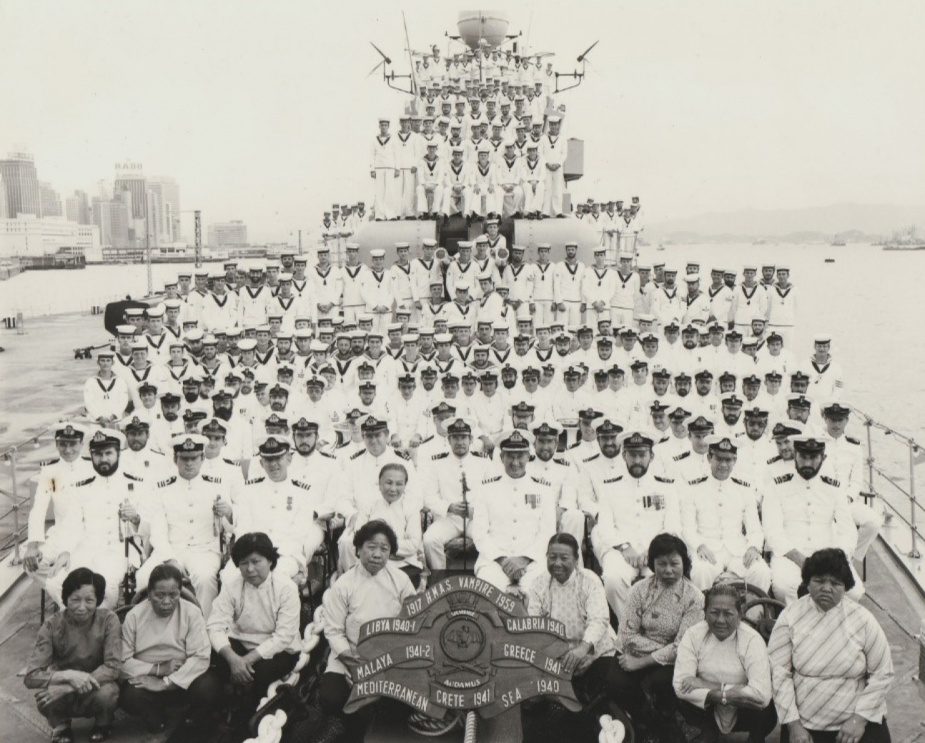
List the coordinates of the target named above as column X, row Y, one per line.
column 870, row 300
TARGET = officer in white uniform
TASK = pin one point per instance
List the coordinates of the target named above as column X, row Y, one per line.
column 448, row 478
column 802, row 512
column 327, row 287
column 631, row 514
column 554, row 151
column 108, row 509
column 515, row 515
column 377, row 291
column 562, row 473
column 719, row 521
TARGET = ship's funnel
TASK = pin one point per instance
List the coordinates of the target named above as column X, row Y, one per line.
column 480, row 28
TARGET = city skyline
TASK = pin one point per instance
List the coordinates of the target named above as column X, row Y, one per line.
column 696, row 107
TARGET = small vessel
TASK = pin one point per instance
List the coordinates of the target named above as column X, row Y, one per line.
column 838, row 242
column 905, row 240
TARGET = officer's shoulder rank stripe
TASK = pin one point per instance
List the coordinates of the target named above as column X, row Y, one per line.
column 232, row 462
column 613, row 479
column 490, row 480
column 852, row 440
column 830, row 481
column 303, row 485
column 132, row 477
column 561, row 460
column 682, row 455
column 740, row 482
column 325, row 454
column 775, row 458
column 168, row 481
column 784, row 478
column 84, row 482
column 359, row 454
column 254, row 481
column 541, row 481
column 698, row 480
column 213, row 479
column 441, row 455
column 47, row 462
column 429, row 438
column 666, row 480
column 591, row 458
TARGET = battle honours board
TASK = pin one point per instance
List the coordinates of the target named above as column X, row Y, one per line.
column 462, row 645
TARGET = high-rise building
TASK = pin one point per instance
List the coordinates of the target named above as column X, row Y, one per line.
column 113, row 218
column 51, row 200
column 166, row 216
column 4, row 211
column 130, row 177
column 21, row 184
column 227, row 234
column 78, row 209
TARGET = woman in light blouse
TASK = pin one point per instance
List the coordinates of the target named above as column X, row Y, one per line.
column 165, row 656
column 75, row 662
column 575, row 596
column 659, row 610
column 830, row 661
column 254, row 624
column 722, row 673
column 374, row 588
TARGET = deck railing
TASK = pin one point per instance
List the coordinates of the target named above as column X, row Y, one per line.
column 878, row 436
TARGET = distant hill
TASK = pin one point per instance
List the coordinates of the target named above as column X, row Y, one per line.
column 853, row 222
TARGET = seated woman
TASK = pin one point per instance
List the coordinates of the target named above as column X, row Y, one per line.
column 374, row 588
column 392, row 506
column 575, row 596
column 165, row 655
column 254, row 624
column 75, row 661
column 830, row 660
column 659, row 610
column 722, row 673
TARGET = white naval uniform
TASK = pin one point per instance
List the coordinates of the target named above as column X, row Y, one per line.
column 383, row 163
column 183, row 528
column 431, row 175
column 633, row 513
column 667, row 304
column 568, row 283
column 696, row 309
column 93, row 533
column 455, row 176
column 422, row 274
column 353, row 303
column 533, row 183
column 845, row 459
column 720, row 302
column 55, row 488
column 483, row 190
column 598, row 286
column 624, row 299
column 327, row 288
column 509, row 177
column 512, row 518
column 377, row 292
column 406, row 158
column 520, row 281
column 723, row 515
column 286, row 512
column 219, row 312
column 253, row 304
column 563, row 474
column 747, row 302
column 782, row 312
column 106, row 398
column 554, row 151
column 401, row 286
column 805, row 515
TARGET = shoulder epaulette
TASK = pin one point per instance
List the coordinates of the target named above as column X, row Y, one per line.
column 325, row 454
column 612, row 480
column 303, row 485
column 662, row 441
column 490, row 480
column 541, row 481
column 168, row 481
column 562, row 460
column 213, row 479
column 698, row 480
column 573, row 445
column 591, row 458
column 479, row 454
column 439, row 456
column 232, row 462
column 775, row 458
column 254, row 481
column 132, row 477
column 852, row 440
column 47, row 462
column 429, row 438
column 682, row 455
column 737, row 481
column 84, row 482
column 666, row 480
column 359, row 454
column 783, row 478
column 830, row 481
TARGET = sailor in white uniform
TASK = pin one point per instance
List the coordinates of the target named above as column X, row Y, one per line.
column 554, row 153
column 383, row 169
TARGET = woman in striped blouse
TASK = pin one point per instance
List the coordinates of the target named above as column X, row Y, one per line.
column 830, row 661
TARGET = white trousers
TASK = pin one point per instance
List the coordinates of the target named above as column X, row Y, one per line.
column 703, row 573
column 384, row 194
column 533, row 197
column 572, row 316
column 545, row 313
column 107, row 560
column 618, row 576
column 405, row 193
column 441, row 531
column 513, row 202
column 427, row 203
column 454, row 203
column 483, row 203
column 491, row 571
column 554, row 191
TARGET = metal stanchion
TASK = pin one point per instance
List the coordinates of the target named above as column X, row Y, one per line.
column 914, row 552
column 17, row 558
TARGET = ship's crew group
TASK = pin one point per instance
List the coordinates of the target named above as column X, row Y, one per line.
column 612, row 444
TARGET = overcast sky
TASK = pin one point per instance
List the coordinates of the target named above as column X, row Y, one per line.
column 262, row 110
